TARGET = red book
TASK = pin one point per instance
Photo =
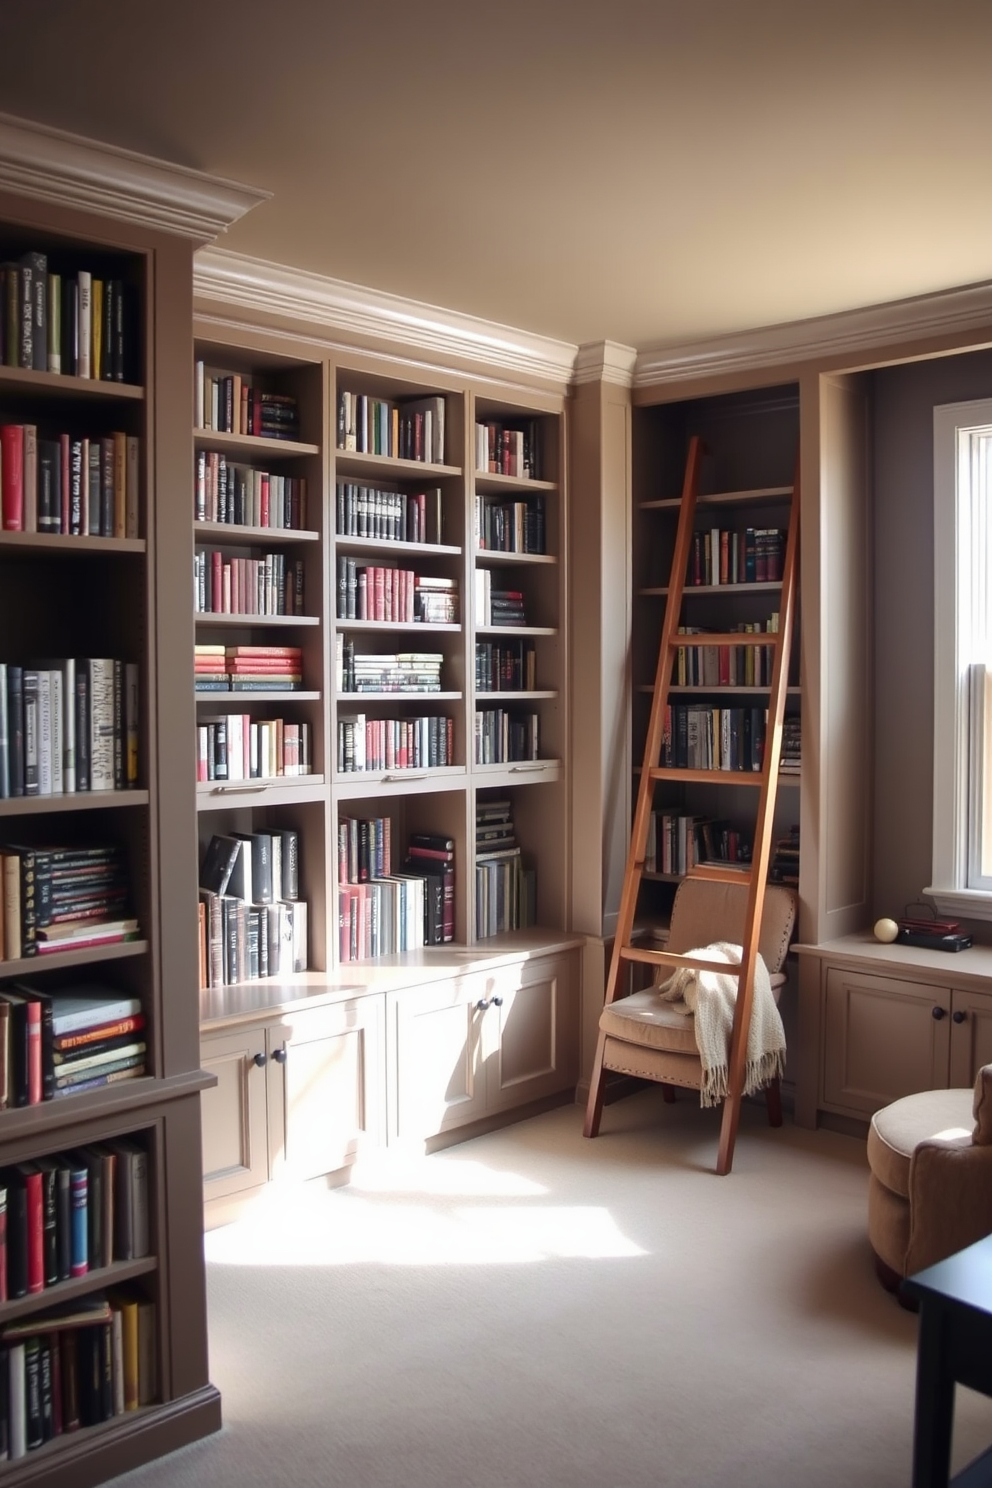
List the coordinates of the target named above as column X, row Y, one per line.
column 263, row 520
column 216, row 582
column 31, row 1177
column 12, row 476
column 34, row 1055
column 242, row 651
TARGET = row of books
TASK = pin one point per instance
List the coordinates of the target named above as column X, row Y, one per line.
column 219, row 668
column 270, row 585
column 784, row 866
column 510, row 526
column 707, row 738
column 376, row 671
column 230, row 403
column 72, row 1213
column 726, row 666
column 73, row 1366
column 382, row 591
column 671, row 843
column 234, row 746
column 68, row 725
column 78, row 324
column 381, row 910
column 505, row 666
column 259, row 867
column 425, row 742
column 505, row 887
column 721, row 556
column 45, row 1053
column 59, row 898
column 497, row 606
column 394, row 516
column 502, row 736
column 412, row 429
column 791, row 759
column 61, row 483
column 244, row 942
column 503, row 448
column 245, row 497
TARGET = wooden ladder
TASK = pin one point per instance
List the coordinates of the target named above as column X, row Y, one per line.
column 755, row 873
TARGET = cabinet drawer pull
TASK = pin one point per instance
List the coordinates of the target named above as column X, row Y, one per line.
column 482, row 1004
column 937, row 1013
column 497, row 1002
column 279, row 1055
column 960, row 1016
column 259, row 1060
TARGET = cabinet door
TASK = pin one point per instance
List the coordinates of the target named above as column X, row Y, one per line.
column 436, row 1080
column 971, row 1036
column 235, row 1156
column 883, row 1038
column 534, row 1044
column 325, row 1087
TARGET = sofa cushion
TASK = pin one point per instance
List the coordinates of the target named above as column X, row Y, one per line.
column 897, row 1129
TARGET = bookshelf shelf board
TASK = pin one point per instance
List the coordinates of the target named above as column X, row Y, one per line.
column 766, row 586
column 208, row 617
column 714, row 777
column 112, row 950
column 236, row 532
column 347, row 462
column 513, row 697
column 738, row 690
column 488, row 483
column 517, row 630
column 76, row 1286
column 268, row 695
column 74, row 801
column 494, row 555
column 391, row 545
column 354, row 699
column 252, row 445
column 214, row 795
column 355, row 784
column 59, row 543
column 781, row 494
column 418, row 625
column 53, row 384
column 663, row 877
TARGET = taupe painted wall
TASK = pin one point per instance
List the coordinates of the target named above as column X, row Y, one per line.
column 904, row 399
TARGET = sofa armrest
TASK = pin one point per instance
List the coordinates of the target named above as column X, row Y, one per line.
column 950, row 1199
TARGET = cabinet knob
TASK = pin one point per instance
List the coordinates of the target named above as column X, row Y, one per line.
column 960, row 1016
column 279, row 1055
column 259, row 1060
column 497, row 1002
column 937, row 1013
column 482, row 1004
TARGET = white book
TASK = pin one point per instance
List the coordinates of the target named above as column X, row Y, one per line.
column 69, row 724
column 17, row 1435
column 85, row 342
column 44, row 733
column 101, row 689
column 198, row 404
column 56, row 689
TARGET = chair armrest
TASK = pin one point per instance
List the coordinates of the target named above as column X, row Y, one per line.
column 950, row 1199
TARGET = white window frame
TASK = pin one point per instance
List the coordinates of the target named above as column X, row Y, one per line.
column 962, row 640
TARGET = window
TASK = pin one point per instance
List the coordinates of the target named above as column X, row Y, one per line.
column 962, row 760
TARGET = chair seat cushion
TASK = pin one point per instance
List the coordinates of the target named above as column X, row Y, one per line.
column 898, row 1129
column 646, row 1018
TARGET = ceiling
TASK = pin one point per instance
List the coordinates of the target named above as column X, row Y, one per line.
column 648, row 173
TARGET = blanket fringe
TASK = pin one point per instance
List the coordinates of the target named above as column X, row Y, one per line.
column 757, row 1074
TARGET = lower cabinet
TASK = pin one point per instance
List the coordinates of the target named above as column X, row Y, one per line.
column 295, row 1097
column 480, row 1044
column 884, row 1032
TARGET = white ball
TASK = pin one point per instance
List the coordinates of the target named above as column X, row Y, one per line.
column 886, row 930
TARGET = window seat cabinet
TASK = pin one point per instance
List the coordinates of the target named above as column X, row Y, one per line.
column 304, row 1089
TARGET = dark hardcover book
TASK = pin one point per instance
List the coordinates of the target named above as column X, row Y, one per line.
column 4, row 1281
column 25, row 314
column 111, row 289
column 17, row 1235
column 218, row 863
column 15, row 728
column 18, row 1051
column 118, row 343
column 94, row 506
column 290, row 863
column 90, row 1391
column 71, row 1408
column 49, row 486
column 47, row 1389
column 28, row 1176
column 32, row 732
column 44, row 1001
column 48, row 1168
column 63, row 1217
column 38, row 264
column 260, row 847
column 82, row 721
column 34, row 1433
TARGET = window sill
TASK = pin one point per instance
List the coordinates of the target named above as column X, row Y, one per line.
column 971, row 904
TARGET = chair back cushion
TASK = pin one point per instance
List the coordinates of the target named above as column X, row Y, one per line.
column 705, row 911
column 982, row 1107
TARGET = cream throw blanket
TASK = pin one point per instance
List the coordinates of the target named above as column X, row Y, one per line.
column 710, row 996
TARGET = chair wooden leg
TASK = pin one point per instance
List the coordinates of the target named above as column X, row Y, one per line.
column 773, row 1103
column 597, row 1089
column 728, row 1132
column 668, row 1092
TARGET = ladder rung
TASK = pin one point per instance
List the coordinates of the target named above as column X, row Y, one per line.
column 675, row 958
column 727, row 873
column 724, row 777
column 730, row 638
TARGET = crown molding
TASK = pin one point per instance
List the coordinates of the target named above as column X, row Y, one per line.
column 947, row 312
column 605, row 361
column 38, row 161
column 254, row 284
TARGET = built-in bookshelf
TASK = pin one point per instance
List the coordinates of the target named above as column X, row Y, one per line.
column 94, row 854
column 719, row 696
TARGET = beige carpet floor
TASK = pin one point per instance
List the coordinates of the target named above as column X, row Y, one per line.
column 534, row 1310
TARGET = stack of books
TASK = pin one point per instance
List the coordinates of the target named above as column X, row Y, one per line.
column 497, row 606
column 63, row 899
column 509, row 666
column 505, row 889
column 510, row 526
column 784, row 867
column 396, row 516
column 791, row 762
column 402, row 671
column 61, row 1043
column 243, row 496
column 230, row 403
column 270, row 585
column 252, row 922
column 64, row 483
column 502, row 737
column 233, row 746
column 431, row 856
column 420, row 743
column 411, row 430
column 508, row 449
column 248, row 668
column 78, row 325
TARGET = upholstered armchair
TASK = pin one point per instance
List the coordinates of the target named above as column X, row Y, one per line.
column 930, row 1188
